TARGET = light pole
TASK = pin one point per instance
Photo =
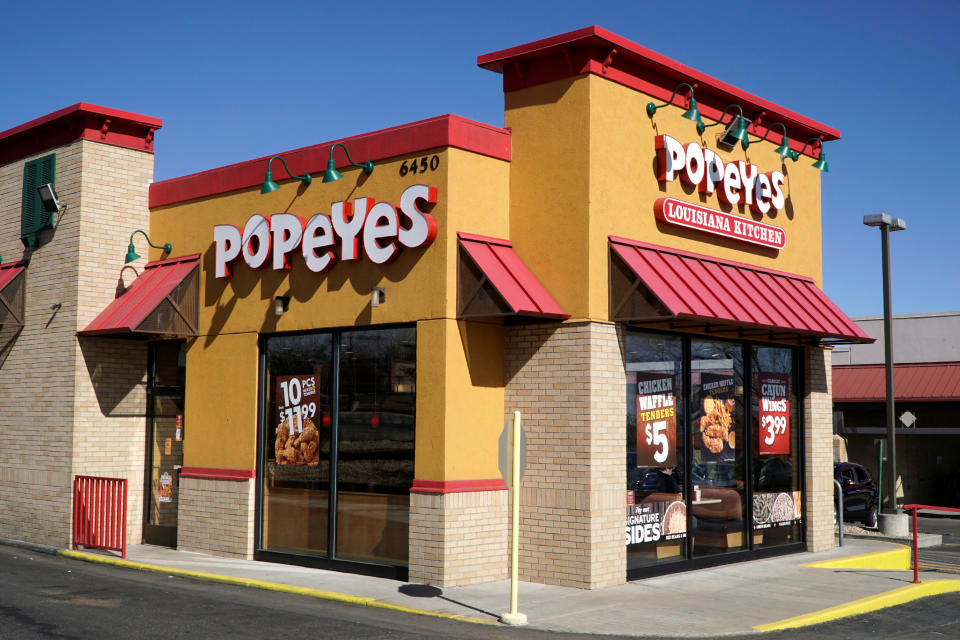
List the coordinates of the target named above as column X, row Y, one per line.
column 890, row 523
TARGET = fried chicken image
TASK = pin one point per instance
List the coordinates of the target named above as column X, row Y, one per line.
column 715, row 423
column 298, row 448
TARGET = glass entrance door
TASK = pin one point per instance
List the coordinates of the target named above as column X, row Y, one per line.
column 165, row 390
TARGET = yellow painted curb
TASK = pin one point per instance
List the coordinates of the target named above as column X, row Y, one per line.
column 891, row 560
column 866, row 605
column 269, row 586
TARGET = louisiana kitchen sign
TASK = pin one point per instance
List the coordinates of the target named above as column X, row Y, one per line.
column 692, row 216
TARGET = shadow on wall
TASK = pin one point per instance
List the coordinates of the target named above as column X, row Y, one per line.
column 118, row 372
column 8, row 337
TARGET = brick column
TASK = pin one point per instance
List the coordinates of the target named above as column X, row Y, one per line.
column 818, row 433
column 567, row 380
column 216, row 517
column 459, row 538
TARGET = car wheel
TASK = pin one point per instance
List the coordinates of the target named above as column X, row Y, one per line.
column 871, row 520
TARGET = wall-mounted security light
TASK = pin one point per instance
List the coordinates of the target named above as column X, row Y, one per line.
column 281, row 304
column 821, row 162
column 378, row 296
column 269, row 185
column 692, row 113
column 332, row 175
column 133, row 255
column 48, row 197
column 736, row 130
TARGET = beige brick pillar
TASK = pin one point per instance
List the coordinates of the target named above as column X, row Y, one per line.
column 567, row 380
column 818, row 434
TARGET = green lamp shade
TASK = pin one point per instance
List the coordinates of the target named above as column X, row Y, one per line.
column 268, row 184
column 131, row 255
column 784, row 149
column 821, row 162
column 331, row 174
column 741, row 134
column 692, row 113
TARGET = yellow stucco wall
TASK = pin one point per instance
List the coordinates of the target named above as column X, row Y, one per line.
column 473, row 197
column 594, row 131
column 221, row 402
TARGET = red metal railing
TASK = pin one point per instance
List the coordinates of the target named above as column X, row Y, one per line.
column 915, row 507
column 100, row 513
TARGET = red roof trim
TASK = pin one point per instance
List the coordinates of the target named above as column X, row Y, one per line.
column 588, row 50
column 698, row 287
column 433, row 133
column 912, row 382
column 125, row 313
column 81, row 121
column 10, row 270
column 457, row 486
column 508, row 274
column 214, row 473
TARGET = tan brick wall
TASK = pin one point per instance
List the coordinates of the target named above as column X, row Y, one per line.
column 459, row 538
column 217, row 517
column 567, row 380
column 68, row 406
column 818, row 409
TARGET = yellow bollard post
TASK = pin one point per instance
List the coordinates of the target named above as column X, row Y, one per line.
column 513, row 617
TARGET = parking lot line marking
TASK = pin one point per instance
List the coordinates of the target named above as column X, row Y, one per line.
column 891, row 560
column 866, row 605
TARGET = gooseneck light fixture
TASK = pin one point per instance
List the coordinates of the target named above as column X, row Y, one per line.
column 736, row 128
column 132, row 254
column 332, row 175
column 783, row 150
column 269, row 185
column 821, row 162
column 692, row 113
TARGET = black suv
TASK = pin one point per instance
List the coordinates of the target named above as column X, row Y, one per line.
column 861, row 497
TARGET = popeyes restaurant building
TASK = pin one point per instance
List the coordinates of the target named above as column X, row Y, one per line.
column 330, row 361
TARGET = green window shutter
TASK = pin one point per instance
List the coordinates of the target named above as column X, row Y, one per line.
column 33, row 217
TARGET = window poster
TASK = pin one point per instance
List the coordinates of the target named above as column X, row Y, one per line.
column 656, row 420
column 716, row 423
column 165, row 493
column 656, row 521
column 775, row 509
column 774, row 431
column 298, row 439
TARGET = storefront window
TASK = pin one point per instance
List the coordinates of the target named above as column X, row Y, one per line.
column 717, row 472
column 376, row 444
column 656, row 519
column 344, row 401
column 296, row 480
column 777, row 501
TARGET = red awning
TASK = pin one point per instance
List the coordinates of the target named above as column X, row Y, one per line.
column 695, row 291
column 163, row 300
column 922, row 382
column 11, row 292
column 494, row 281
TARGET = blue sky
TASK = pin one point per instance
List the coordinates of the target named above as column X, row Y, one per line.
column 237, row 80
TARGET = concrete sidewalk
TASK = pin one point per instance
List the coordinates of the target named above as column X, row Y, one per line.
column 747, row 597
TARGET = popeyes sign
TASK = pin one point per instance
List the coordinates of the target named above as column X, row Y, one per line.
column 381, row 228
column 734, row 183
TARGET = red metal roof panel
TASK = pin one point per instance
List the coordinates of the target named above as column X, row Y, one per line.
column 918, row 382
column 510, row 276
column 9, row 271
column 125, row 313
column 695, row 286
